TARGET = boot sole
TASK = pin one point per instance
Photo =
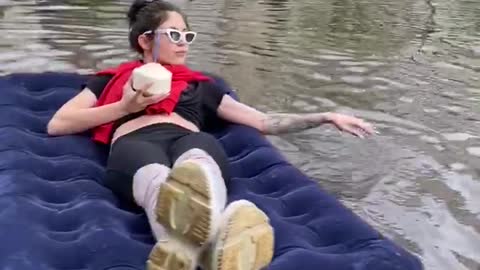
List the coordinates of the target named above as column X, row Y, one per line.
column 165, row 257
column 184, row 204
column 246, row 243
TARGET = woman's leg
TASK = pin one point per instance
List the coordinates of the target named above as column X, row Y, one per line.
column 146, row 185
column 203, row 158
column 191, row 201
column 143, row 156
column 191, row 206
column 243, row 236
column 135, row 170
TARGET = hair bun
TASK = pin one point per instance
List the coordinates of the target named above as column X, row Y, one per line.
column 135, row 8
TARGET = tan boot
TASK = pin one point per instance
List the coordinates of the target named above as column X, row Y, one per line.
column 169, row 253
column 189, row 207
column 245, row 240
column 173, row 254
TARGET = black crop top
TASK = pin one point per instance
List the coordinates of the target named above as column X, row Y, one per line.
column 197, row 103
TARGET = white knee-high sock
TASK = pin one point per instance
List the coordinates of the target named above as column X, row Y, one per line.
column 146, row 184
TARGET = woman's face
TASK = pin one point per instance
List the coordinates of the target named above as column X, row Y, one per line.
column 168, row 51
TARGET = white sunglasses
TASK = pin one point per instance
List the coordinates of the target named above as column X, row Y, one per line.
column 174, row 35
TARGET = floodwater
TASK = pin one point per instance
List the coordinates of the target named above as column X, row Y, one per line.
column 411, row 67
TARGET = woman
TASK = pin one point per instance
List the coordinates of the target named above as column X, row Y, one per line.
column 162, row 161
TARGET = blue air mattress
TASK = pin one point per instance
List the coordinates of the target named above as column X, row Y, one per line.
column 56, row 214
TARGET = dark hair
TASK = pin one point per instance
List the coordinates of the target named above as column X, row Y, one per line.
column 145, row 15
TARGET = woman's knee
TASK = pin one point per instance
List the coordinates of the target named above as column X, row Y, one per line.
column 197, row 141
column 197, row 145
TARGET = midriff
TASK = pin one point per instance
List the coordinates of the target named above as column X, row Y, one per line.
column 146, row 120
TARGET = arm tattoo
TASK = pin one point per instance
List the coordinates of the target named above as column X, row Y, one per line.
column 283, row 123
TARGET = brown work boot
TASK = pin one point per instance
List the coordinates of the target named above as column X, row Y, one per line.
column 245, row 240
column 189, row 206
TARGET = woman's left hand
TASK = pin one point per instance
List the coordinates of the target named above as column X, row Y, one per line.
column 350, row 124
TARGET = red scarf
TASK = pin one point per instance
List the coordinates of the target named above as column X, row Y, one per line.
column 181, row 76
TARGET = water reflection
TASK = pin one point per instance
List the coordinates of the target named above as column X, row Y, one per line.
column 97, row 35
column 3, row 8
column 411, row 67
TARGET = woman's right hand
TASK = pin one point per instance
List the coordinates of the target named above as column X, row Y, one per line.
column 136, row 100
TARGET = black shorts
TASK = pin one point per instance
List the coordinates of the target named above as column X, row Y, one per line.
column 159, row 143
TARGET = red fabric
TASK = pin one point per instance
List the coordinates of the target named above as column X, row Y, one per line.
column 181, row 76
